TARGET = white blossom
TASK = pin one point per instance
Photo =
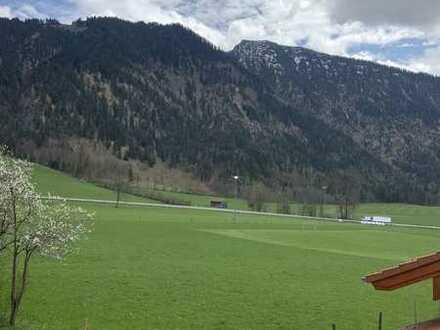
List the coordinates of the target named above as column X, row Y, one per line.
column 46, row 227
column 29, row 225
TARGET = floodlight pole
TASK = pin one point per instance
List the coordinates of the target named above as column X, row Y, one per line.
column 324, row 190
column 236, row 178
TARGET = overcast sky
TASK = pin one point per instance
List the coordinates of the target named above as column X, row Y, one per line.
column 404, row 33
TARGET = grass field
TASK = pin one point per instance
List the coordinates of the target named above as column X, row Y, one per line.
column 403, row 213
column 56, row 183
column 400, row 213
column 152, row 268
column 50, row 181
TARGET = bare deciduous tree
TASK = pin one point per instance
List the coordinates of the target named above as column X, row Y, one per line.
column 257, row 196
column 348, row 194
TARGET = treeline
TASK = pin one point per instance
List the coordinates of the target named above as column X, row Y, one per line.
column 96, row 162
column 307, row 199
column 156, row 195
column 93, row 161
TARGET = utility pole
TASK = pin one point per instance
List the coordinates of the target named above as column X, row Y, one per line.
column 324, row 191
column 236, row 178
column 118, row 194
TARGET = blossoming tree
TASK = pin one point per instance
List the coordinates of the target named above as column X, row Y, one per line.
column 29, row 225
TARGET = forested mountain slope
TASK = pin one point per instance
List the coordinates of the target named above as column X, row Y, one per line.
column 155, row 92
column 390, row 113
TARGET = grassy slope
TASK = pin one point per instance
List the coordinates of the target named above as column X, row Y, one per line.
column 60, row 184
column 153, row 268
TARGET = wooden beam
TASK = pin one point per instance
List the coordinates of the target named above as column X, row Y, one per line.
column 436, row 288
column 409, row 277
column 403, row 267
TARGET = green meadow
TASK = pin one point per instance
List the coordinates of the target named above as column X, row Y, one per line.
column 56, row 183
column 154, row 268
column 403, row 213
column 50, row 181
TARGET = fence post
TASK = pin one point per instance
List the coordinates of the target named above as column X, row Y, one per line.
column 415, row 309
column 380, row 321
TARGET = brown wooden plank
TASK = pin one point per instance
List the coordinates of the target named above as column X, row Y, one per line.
column 403, row 267
column 382, row 287
column 409, row 277
column 436, row 288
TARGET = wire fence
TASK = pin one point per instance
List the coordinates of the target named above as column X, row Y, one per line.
column 379, row 322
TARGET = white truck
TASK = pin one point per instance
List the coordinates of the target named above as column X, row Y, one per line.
column 376, row 220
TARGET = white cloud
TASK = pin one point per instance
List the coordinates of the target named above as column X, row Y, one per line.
column 428, row 62
column 368, row 56
column 23, row 12
column 365, row 56
column 5, row 11
column 391, row 12
column 148, row 11
column 28, row 11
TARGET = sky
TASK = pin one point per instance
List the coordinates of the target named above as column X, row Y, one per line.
column 403, row 33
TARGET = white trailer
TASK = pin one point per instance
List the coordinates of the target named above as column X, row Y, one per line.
column 376, row 220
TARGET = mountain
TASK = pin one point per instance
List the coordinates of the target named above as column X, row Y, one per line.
column 160, row 92
column 388, row 112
